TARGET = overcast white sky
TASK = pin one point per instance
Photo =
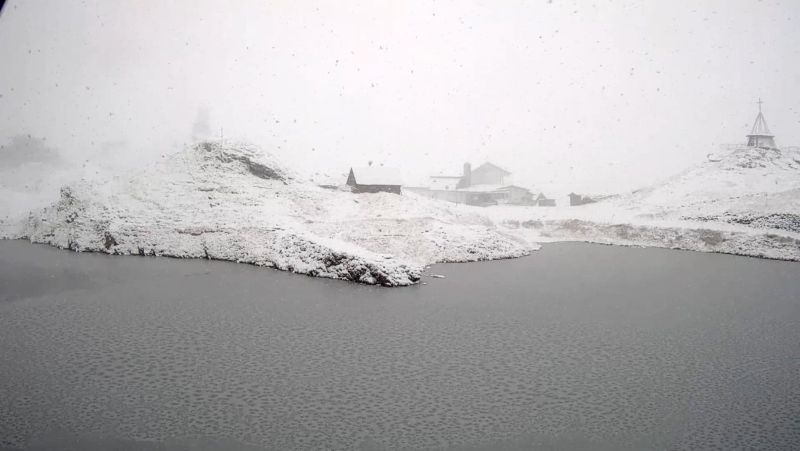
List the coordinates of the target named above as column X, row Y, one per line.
column 591, row 95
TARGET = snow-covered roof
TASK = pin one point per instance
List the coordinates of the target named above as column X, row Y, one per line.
column 488, row 165
column 509, row 186
column 377, row 175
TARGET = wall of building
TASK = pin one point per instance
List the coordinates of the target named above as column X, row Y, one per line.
column 487, row 176
column 395, row 189
column 444, row 182
column 519, row 196
column 460, row 197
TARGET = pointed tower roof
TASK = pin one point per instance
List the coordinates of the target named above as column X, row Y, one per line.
column 760, row 136
column 760, row 127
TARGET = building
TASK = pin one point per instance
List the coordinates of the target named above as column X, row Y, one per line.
column 543, row 201
column 579, row 199
column 485, row 185
column 760, row 135
column 513, row 194
column 374, row 179
column 487, row 174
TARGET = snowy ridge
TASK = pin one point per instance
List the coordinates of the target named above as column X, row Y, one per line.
column 748, row 179
column 233, row 202
column 745, row 203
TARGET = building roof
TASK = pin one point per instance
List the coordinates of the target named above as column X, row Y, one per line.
column 508, row 187
column 760, row 127
column 377, row 175
column 491, row 188
column 488, row 165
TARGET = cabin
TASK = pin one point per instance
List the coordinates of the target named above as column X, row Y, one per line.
column 515, row 195
column 579, row 199
column 543, row 201
column 374, row 179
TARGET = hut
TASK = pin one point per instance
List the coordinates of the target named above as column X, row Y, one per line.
column 543, row 201
column 374, row 179
column 579, row 199
column 514, row 195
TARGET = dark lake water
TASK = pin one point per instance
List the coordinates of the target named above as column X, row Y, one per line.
column 577, row 347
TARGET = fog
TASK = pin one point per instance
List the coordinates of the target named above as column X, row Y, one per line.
column 600, row 96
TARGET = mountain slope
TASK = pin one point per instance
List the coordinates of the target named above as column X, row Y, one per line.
column 746, row 202
column 234, row 202
column 746, row 181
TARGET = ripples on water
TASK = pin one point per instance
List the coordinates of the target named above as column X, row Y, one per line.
column 578, row 346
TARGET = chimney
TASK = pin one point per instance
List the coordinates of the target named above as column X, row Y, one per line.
column 466, row 178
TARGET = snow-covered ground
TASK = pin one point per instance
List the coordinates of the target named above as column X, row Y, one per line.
column 746, row 202
column 234, row 202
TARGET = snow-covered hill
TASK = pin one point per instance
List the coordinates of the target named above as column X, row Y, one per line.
column 235, row 202
column 750, row 186
column 745, row 202
column 724, row 182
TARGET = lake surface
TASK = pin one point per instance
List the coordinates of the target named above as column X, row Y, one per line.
column 577, row 347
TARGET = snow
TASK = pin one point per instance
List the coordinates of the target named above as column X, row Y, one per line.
column 229, row 201
column 746, row 202
column 378, row 175
column 234, row 202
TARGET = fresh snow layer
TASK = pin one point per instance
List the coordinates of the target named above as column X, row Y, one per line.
column 225, row 201
column 234, row 202
column 746, row 203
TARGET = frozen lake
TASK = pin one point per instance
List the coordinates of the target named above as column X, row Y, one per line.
column 576, row 347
